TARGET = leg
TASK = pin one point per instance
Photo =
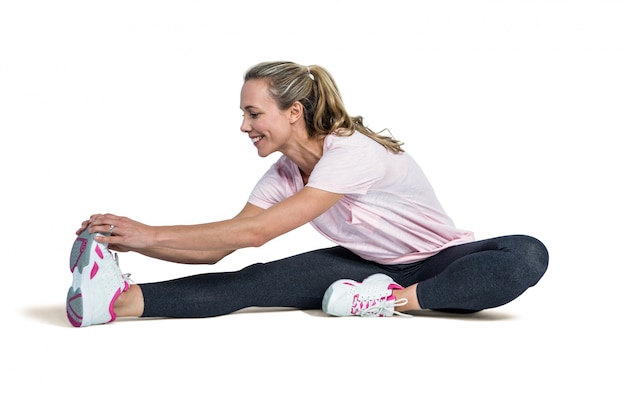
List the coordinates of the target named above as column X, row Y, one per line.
column 298, row 281
column 410, row 295
column 480, row 275
column 130, row 303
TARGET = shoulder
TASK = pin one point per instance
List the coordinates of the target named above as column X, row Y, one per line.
column 349, row 165
column 356, row 149
column 356, row 140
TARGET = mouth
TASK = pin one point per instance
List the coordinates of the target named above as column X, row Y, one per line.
column 256, row 139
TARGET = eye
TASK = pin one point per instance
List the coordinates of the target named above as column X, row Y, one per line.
column 251, row 113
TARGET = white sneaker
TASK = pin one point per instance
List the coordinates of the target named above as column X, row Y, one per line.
column 372, row 298
column 97, row 282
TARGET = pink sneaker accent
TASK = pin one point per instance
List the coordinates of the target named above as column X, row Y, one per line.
column 94, row 270
column 75, row 317
column 359, row 304
column 371, row 298
column 112, row 303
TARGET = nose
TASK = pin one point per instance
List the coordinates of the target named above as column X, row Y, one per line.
column 245, row 126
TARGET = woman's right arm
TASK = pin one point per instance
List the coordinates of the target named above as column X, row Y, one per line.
column 210, row 242
column 195, row 256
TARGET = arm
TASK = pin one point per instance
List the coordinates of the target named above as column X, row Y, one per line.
column 253, row 228
column 195, row 256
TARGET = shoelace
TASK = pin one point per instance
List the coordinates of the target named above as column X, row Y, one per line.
column 376, row 309
column 126, row 276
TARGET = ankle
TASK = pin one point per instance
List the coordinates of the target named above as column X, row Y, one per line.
column 410, row 294
column 129, row 303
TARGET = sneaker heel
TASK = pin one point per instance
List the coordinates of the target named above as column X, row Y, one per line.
column 74, row 307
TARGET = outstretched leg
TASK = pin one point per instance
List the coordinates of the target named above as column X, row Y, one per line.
column 298, row 281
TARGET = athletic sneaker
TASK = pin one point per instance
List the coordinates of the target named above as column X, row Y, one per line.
column 371, row 298
column 97, row 283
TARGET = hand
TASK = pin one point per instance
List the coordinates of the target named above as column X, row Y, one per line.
column 120, row 233
column 82, row 228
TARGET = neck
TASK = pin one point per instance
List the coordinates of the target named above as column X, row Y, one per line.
column 305, row 154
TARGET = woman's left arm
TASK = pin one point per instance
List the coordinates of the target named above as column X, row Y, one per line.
column 236, row 233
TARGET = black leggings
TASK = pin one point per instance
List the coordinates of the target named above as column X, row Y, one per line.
column 464, row 278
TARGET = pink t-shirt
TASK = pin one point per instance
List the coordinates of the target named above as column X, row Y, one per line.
column 389, row 213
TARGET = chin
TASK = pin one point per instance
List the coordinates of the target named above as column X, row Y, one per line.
column 264, row 154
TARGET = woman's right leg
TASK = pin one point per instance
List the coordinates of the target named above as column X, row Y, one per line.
column 298, row 281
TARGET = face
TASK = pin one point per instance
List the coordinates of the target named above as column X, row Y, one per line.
column 267, row 126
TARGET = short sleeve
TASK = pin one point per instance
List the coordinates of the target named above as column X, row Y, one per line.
column 281, row 181
column 349, row 165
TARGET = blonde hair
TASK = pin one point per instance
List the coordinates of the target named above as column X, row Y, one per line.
column 316, row 90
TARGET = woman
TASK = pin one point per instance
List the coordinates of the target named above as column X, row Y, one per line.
column 397, row 250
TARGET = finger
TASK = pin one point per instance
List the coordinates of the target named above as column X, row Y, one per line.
column 96, row 219
column 112, row 242
column 103, row 229
column 83, row 226
column 103, row 223
column 104, row 239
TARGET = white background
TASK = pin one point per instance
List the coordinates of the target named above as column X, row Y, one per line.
column 515, row 110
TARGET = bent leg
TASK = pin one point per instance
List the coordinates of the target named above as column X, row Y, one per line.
column 480, row 275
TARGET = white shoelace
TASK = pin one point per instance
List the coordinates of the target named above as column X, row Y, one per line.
column 376, row 310
column 126, row 276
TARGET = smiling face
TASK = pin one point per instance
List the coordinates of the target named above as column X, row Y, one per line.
column 267, row 126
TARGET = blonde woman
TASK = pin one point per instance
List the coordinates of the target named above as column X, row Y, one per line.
column 396, row 248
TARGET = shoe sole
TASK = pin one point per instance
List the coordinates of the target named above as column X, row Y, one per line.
column 86, row 260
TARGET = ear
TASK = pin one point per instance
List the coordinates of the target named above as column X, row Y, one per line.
column 296, row 112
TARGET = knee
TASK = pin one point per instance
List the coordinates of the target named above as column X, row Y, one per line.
column 535, row 257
